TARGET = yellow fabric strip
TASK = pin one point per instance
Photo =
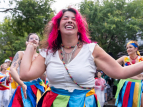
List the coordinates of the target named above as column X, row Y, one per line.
column 136, row 95
column 38, row 95
column 14, row 84
column 91, row 92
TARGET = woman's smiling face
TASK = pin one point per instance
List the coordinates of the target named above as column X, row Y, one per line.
column 131, row 49
column 68, row 24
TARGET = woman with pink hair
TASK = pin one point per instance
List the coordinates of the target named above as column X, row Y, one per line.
column 70, row 62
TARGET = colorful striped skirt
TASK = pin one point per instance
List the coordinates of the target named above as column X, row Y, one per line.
column 129, row 93
column 34, row 91
column 63, row 98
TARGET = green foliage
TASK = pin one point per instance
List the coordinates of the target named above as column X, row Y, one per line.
column 30, row 16
column 112, row 23
column 9, row 43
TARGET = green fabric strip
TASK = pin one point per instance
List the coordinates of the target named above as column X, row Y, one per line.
column 132, row 80
column 119, row 87
column 98, row 104
column 139, row 98
column 61, row 101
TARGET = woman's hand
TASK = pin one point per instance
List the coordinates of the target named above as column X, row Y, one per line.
column 24, row 88
column 31, row 44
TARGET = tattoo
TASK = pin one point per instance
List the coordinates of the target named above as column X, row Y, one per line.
column 19, row 62
column 14, row 65
column 15, row 59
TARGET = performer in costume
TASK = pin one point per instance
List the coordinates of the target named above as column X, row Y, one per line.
column 129, row 92
column 4, row 86
column 70, row 62
column 34, row 88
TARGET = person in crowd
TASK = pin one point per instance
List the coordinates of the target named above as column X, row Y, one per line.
column 70, row 63
column 35, row 87
column 129, row 92
column 4, row 85
column 13, row 85
column 100, row 84
column 8, row 62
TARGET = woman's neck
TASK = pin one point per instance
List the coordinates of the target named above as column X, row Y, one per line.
column 69, row 40
column 133, row 56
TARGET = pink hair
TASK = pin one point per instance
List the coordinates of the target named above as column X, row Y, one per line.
column 82, row 28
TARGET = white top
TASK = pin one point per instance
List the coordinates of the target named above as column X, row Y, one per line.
column 82, row 68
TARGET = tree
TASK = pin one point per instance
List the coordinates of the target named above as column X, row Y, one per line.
column 9, row 43
column 31, row 16
column 113, row 22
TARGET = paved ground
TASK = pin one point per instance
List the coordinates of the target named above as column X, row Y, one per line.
column 110, row 103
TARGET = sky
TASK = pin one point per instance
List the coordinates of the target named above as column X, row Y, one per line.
column 57, row 6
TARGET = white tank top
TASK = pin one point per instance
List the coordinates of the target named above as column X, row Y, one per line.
column 82, row 68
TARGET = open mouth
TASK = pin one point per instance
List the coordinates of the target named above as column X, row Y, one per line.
column 69, row 27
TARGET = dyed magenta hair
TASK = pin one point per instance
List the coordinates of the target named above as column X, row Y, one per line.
column 54, row 38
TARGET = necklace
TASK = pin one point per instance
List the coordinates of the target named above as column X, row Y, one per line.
column 134, row 60
column 68, row 70
column 67, row 57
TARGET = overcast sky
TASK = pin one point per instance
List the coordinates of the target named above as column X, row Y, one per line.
column 58, row 5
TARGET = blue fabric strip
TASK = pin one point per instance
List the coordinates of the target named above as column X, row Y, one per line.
column 26, row 102
column 76, row 100
column 31, row 98
column 134, row 45
column 65, row 92
column 11, row 101
column 90, row 101
column 41, row 88
column 122, row 94
column 33, row 82
column 130, row 101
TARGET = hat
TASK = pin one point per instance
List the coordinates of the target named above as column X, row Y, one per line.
column 7, row 60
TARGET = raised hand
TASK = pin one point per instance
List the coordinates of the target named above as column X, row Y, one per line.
column 31, row 44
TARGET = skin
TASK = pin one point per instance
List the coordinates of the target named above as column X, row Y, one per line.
column 8, row 63
column 99, row 75
column 69, row 38
column 131, row 50
column 34, row 39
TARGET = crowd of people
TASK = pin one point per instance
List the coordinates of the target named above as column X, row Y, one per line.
column 69, row 60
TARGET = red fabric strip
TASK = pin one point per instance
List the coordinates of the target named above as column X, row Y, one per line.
column 4, row 87
column 96, row 97
column 48, row 99
column 34, row 89
column 96, row 100
column 17, row 101
column 126, row 95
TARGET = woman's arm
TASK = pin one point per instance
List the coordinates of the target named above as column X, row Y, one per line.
column 137, row 77
column 121, row 60
column 29, row 69
column 112, row 68
column 15, row 64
